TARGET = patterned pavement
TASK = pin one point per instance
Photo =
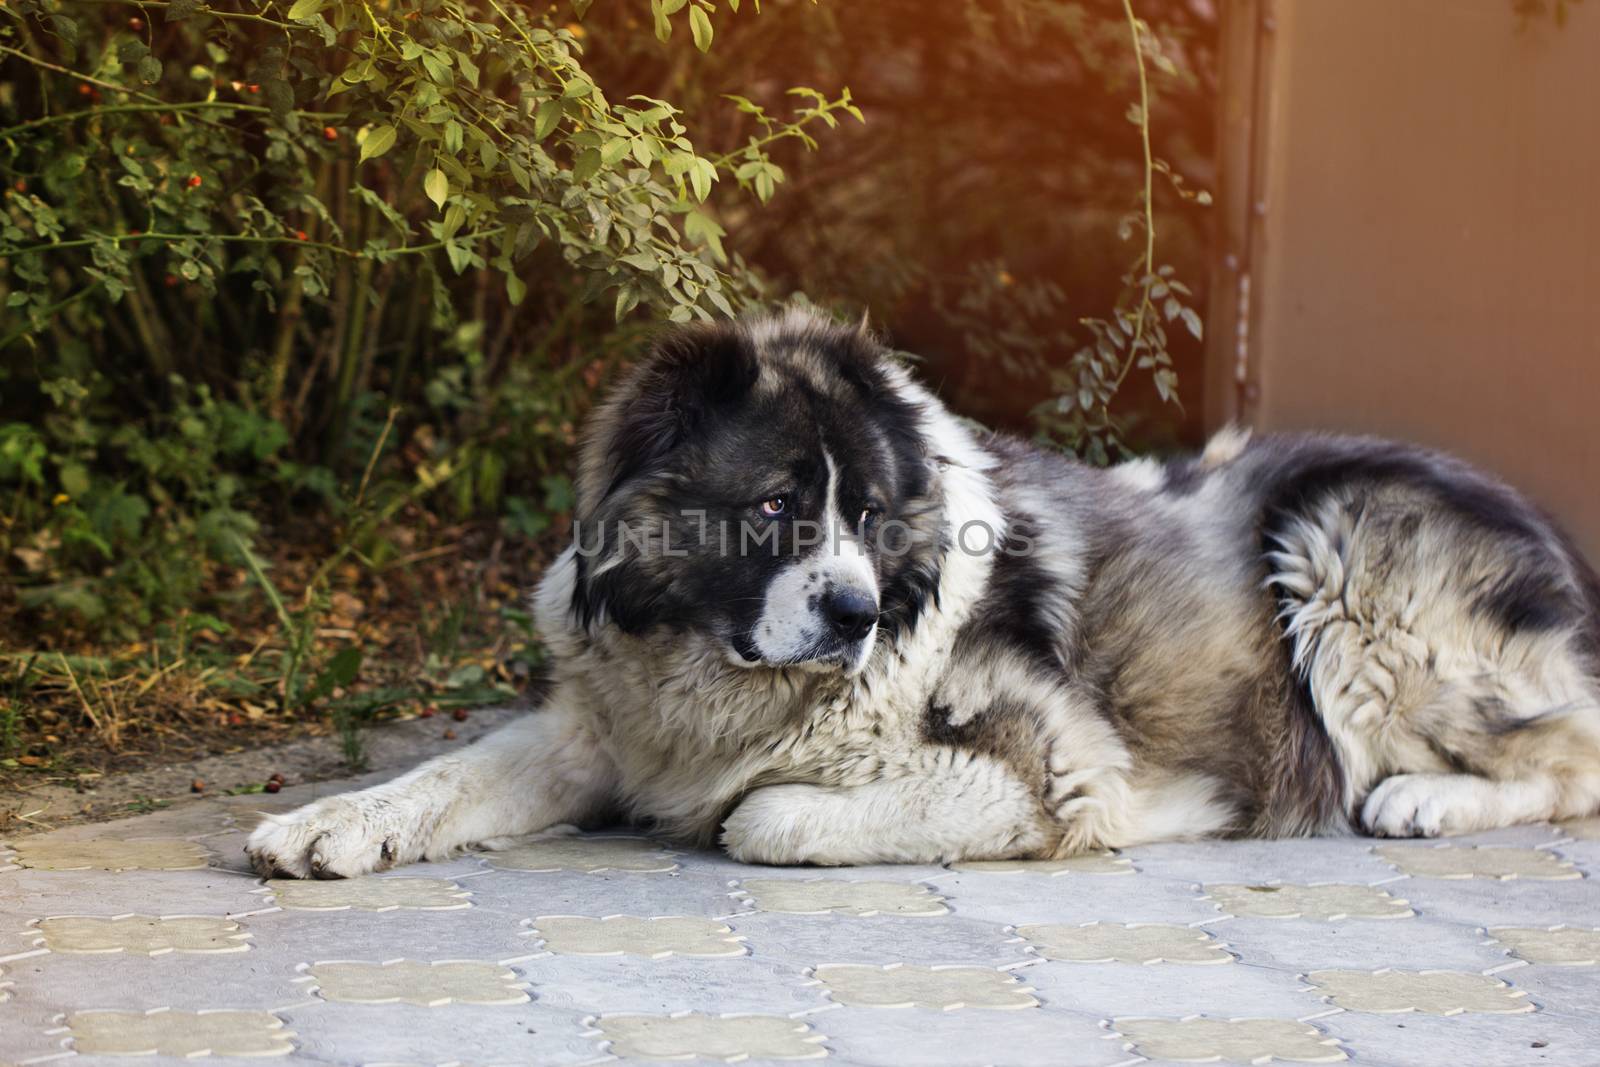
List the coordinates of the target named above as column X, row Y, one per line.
column 149, row 937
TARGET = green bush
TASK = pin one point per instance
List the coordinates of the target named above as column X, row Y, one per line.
column 288, row 267
column 268, row 251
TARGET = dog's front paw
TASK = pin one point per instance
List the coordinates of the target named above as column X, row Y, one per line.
column 340, row 837
column 768, row 827
column 1422, row 805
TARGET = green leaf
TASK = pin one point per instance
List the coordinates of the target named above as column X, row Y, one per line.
column 304, row 9
column 437, row 69
column 74, row 479
column 66, row 167
column 344, row 666
column 643, row 261
column 454, row 216
column 280, row 98
column 701, row 175
column 701, row 228
column 65, row 28
column 437, row 186
column 516, row 289
column 546, row 117
column 587, row 166
column 339, row 671
column 1192, row 320
column 378, row 140
column 627, row 300
column 700, row 26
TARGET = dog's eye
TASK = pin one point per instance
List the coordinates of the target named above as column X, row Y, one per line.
column 869, row 515
column 773, row 507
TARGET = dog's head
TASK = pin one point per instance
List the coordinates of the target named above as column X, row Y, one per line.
column 766, row 484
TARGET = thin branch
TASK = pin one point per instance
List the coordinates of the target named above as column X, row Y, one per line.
column 48, row 313
column 245, row 238
column 243, row 16
column 45, row 64
column 792, row 129
column 117, row 109
column 532, row 48
column 1149, row 264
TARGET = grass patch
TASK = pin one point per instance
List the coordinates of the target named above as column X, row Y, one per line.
column 428, row 631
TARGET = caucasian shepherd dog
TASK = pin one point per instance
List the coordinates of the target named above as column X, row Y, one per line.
column 812, row 616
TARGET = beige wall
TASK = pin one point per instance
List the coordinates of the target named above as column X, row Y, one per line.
column 1425, row 251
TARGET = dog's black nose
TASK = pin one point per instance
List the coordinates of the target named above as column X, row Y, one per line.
column 850, row 612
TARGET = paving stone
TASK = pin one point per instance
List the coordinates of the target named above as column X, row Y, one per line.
column 526, row 893
column 943, row 988
column 141, row 935
column 1581, row 829
column 30, row 1030
column 562, row 947
column 1562, row 989
column 1106, row 990
column 1478, row 861
column 658, row 937
column 111, row 854
column 1389, row 991
column 420, row 983
column 1327, row 902
column 1298, row 860
column 33, row 894
column 181, row 981
column 724, row 1038
column 807, row 940
column 532, row 1033
column 1073, row 898
column 1232, row 1040
column 1497, row 902
column 924, row 1037
column 1533, row 1038
column 376, row 893
column 664, row 986
column 1125, row 943
column 593, row 855
column 1568, row 946
column 1362, row 944
column 843, row 896
column 163, row 1032
column 1102, row 863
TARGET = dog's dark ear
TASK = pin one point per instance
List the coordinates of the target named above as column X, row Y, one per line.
column 689, row 375
column 624, row 595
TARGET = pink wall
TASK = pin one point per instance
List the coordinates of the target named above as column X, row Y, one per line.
column 1424, row 256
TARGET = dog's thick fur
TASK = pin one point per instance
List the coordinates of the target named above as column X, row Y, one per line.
column 1282, row 636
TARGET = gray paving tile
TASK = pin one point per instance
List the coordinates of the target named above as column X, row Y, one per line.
column 1539, row 1038
column 784, row 923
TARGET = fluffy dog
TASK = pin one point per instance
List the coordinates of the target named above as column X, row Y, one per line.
column 811, row 615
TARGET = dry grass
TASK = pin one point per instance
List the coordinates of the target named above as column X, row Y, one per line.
column 441, row 626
